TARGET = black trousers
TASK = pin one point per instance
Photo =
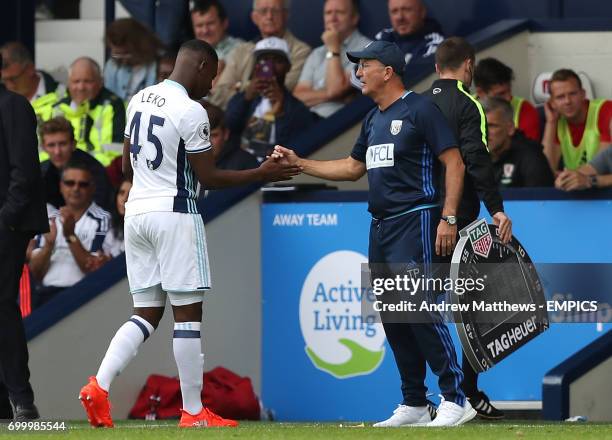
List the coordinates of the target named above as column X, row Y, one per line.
column 470, row 376
column 14, row 371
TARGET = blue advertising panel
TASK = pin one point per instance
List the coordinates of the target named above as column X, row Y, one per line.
column 321, row 361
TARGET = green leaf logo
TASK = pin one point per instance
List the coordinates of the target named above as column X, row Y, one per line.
column 342, row 337
column 361, row 362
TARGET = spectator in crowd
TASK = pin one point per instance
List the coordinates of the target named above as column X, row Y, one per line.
column 96, row 114
column 596, row 174
column 167, row 18
column 493, row 78
column 517, row 160
column 114, row 241
column 270, row 16
column 165, row 65
column 132, row 66
column 416, row 35
column 115, row 172
column 325, row 82
column 210, row 23
column 19, row 75
column 576, row 128
column 57, row 139
column 77, row 231
column 225, row 146
column 266, row 113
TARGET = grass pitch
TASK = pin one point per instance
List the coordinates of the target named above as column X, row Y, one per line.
column 141, row 430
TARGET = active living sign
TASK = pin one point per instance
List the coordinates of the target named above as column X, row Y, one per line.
column 323, row 360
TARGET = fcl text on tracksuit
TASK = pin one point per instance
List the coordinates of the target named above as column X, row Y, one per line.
column 400, row 146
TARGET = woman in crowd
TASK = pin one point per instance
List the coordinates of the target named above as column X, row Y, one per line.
column 113, row 244
column 134, row 50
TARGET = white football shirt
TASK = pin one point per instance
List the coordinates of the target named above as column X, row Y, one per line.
column 163, row 126
column 91, row 229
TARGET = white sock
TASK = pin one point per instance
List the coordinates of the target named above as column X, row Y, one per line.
column 187, row 345
column 122, row 349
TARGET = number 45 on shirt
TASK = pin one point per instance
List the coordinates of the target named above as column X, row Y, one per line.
column 135, row 147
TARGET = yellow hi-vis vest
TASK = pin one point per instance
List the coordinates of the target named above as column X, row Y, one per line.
column 94, row 126
column 43, row 106
column 517, row 104
column 576, row 156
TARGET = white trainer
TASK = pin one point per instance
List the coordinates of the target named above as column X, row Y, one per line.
column 451, row 414
column 405, row 415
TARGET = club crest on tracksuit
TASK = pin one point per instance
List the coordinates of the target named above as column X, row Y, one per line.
column 396, row 126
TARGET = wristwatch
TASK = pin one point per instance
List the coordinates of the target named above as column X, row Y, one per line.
column 450, row 219
column 330, row 54
column 593, row 181
column 72, row 238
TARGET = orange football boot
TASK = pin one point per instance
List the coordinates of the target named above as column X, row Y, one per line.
column 206, row 418
column 95, row 401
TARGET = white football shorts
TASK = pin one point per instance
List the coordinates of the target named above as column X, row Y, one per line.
column 167, row 249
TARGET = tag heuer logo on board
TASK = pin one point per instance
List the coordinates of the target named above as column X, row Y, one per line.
column 481, row 238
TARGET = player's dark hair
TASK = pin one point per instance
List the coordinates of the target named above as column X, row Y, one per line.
column 490, row 72
column 204, row 6
column 565, row 75
column 59, row 124
column 453, row 52
column 493, row 104
column 202, row 47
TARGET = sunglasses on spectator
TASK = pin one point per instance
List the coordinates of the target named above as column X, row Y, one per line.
column 81, row 183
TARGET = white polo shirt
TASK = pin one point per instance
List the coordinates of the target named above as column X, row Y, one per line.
column 91, row 229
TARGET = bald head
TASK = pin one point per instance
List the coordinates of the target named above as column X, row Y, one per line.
column 86, row 63
column 84, row 79
column 407, row 16
column 195, row 67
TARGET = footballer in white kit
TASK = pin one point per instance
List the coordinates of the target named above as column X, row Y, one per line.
column 165, row 242
column 165, row 153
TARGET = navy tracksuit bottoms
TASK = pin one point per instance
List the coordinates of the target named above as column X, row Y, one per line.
column 398, row 241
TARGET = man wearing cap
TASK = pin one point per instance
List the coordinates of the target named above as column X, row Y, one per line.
column 402, row 142
column 270, row 17
column 266, row 113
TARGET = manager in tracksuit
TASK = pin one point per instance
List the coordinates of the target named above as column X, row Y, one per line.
column 402, row 144
column 455, row 66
